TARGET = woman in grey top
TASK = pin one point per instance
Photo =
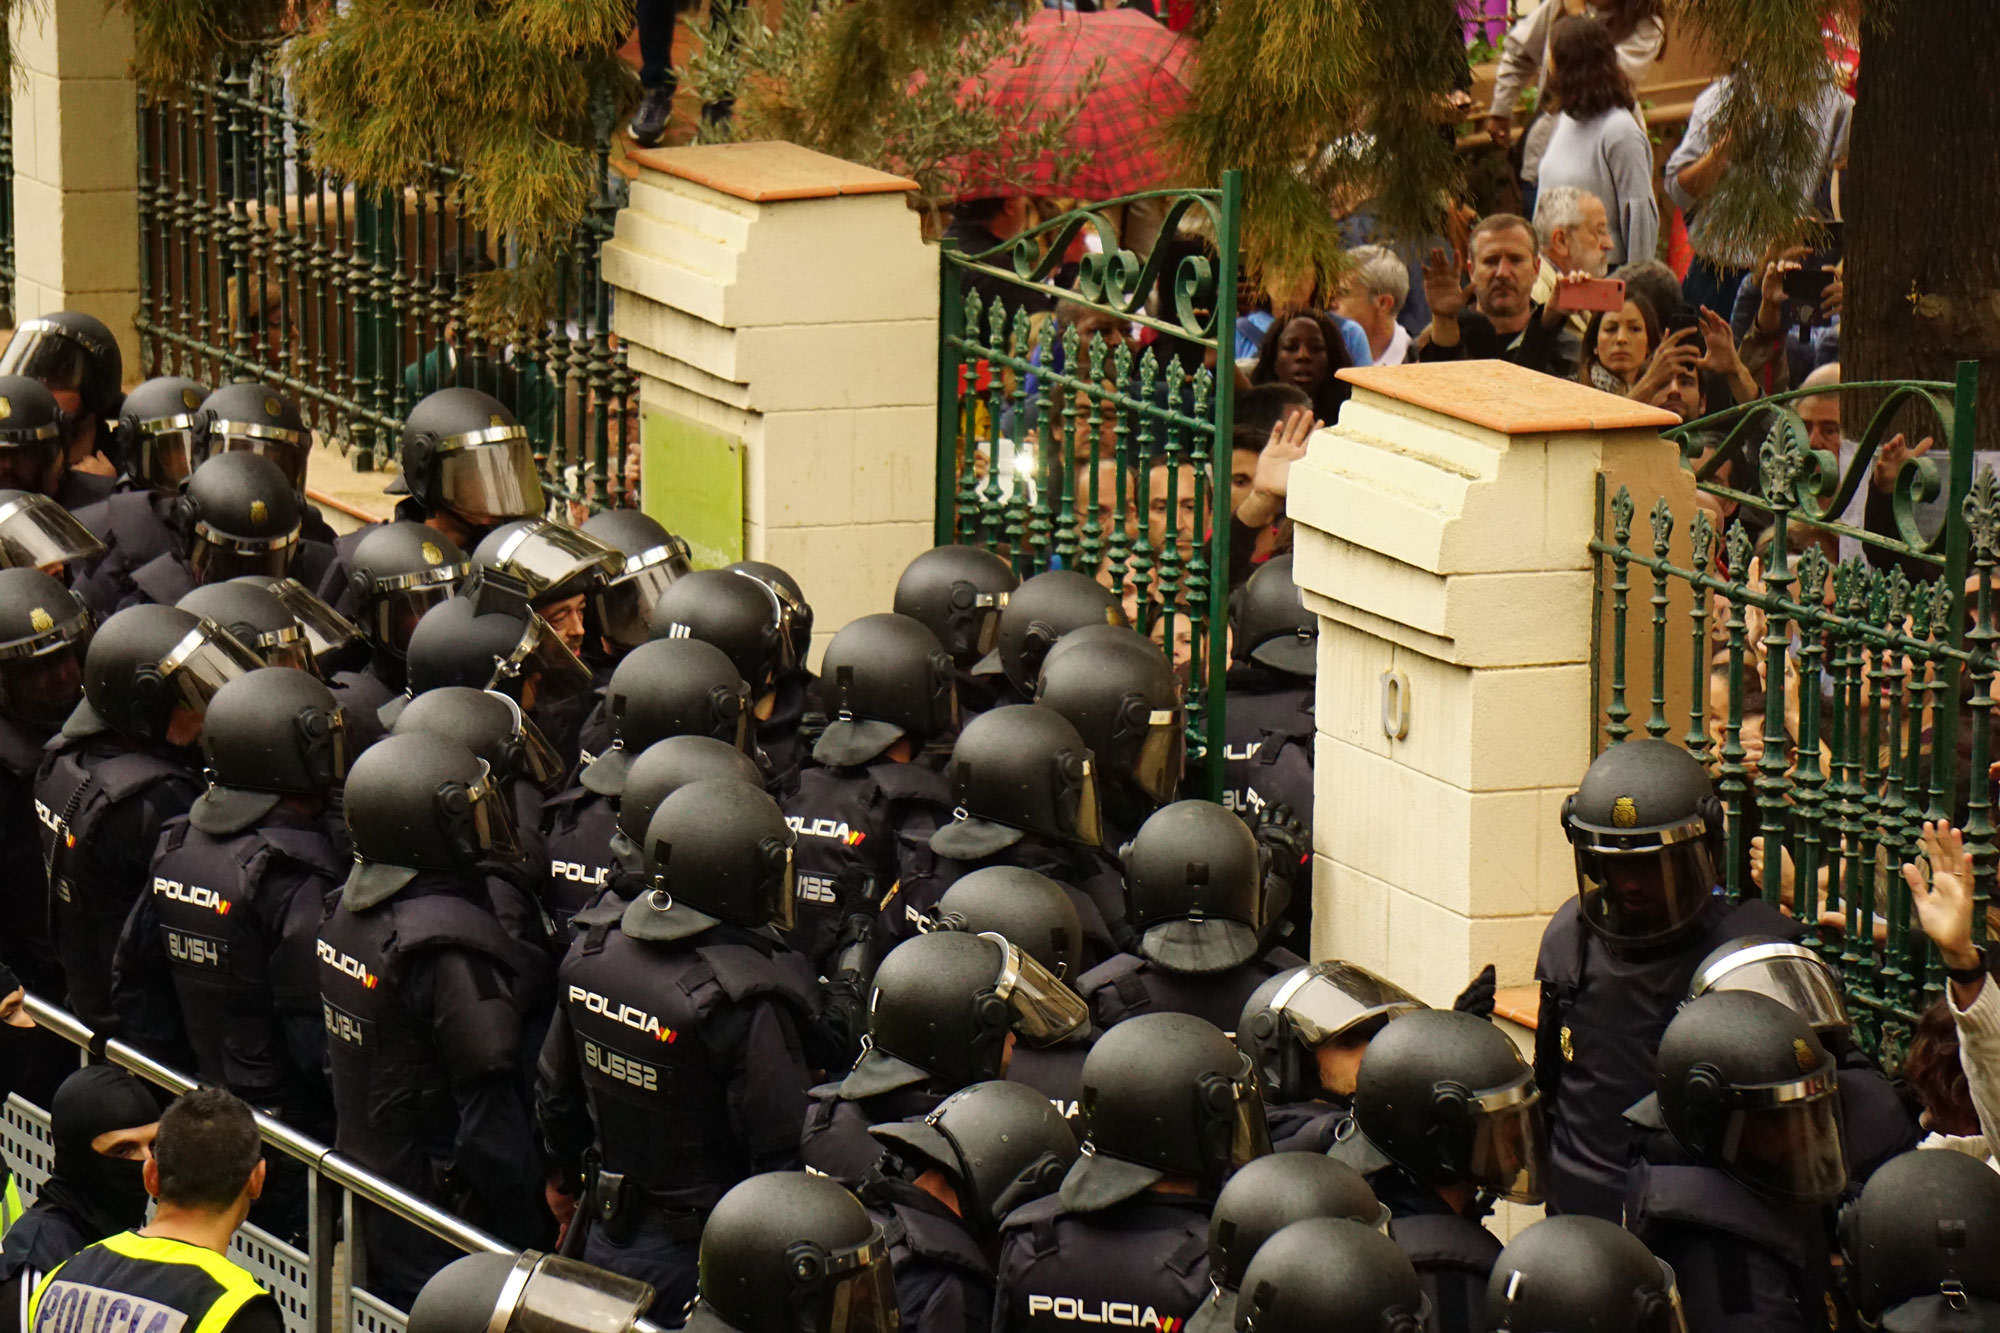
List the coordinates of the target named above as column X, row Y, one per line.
column 1597, row 144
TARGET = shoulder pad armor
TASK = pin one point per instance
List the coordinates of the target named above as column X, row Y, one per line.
column 745, row 972
column 1446, row 1240
column 1705, row 1198
column 444, row 921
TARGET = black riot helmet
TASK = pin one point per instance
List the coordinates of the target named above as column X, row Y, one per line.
column 1787, row 971
column 32, row 428
column 1119, row 690
column 258, row 617
column 662, row 769
column 942, row 1005
column 1920, row 1243
column 1271, row 626
column 1288, row 1018
column 884, row 678
column 489, row 724
column 69, row 352
column 491, row 640
column 529, row 1292
column 1746, row 1087
column 397, row 572
column 1018, row 769
column 1270, row 1194
column 1000, row 1144
column 420, row 802
column 44, row 636
column 792, row 1253
column 159, row 431
column 1164, row 1094
column 255, row 418
column 335, row 642
column 1648, row 833
column 737, row 613
column 959, row 591
column 273, row 733
column 1024, row 907
column 1194, row 887
column 717, row 852
column 1331, row 1275
column 1581, row 1274
column 236, row 516
column 1038, row 613
column 148, row 664
column 1447, row 1097
column 552, row 560
column 669, row 687
column 797, row 611
column 38, row 533
column 464, row 452
column 653, row 558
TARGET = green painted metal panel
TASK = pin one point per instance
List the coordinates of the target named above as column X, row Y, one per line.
column 694, row 485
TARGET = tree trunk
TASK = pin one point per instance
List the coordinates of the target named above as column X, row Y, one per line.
column 1923, row 257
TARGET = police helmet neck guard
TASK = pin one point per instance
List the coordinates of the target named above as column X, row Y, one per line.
column 1195, row 888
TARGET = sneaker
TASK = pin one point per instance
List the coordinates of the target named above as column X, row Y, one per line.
column 649, row 122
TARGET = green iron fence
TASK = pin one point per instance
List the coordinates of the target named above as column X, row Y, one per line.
column 1881, row 713
column 6, row 212
column 254, row 263
column 1065, row 443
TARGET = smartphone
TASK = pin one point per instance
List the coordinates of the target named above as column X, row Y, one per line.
column 1677, row 320
column 1605, row 294
column 1807, row 286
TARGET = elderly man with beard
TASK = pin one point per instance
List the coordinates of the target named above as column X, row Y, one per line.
column 1507, row 324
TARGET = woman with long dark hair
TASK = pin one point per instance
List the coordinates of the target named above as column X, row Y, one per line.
column 1306, row 351
column 1598, row 144
column 1636, row 27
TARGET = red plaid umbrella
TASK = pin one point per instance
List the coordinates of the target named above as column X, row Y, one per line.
column 1123, row 121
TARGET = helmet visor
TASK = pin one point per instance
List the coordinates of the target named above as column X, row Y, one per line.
column 1510, row 1145
column 286, row 647
column 1162, row 754
column 782, row 910
column 326, row 630
column 1330, row 1000
column 1785, row 1141
column 286, row 447
column 623, row 603
column 859, row 1295
column 1645, row 896
column 165, row 453
column 1788, row 973
column 46, row 352
column 208, row 658
column 29, row 466
column 493, row 818
column 557, row 675
column 41, row 680
column 37, row 533
column 490, row 476
column 546, row 556
column 215, row 557
column 975, row 620
column 1076, row 803
column 539, row 760
column 397, row 609
column 1044, row 1010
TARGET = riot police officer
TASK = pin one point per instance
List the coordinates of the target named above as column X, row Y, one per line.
column 31, row 447
column 216, row 961
column 889, row 695
column 1259, row 1201
column 1735, row 1161
column 468, row 466
column 1025, row 791
column 743, row 616
column 680, row 1027
column 1170, row 1110
column 797, row 715
column 959, row 591
column 157, row 440
column 121, row 767
column 663, row 769
column 1581, row 1275
column 237, row 516
column 1268, row 721
column 252, row 417
column 1120, row 693
column 423, row 931
column 945, row 1011
column 946, row 1184
column 74, row 357
column 1198, row 903
column 1307, row 1029
column 564, row 571
column 1449, row 1119
column 1331, row 1275
column 788, row 1250
column 395, row 573
column 1036, row 614
column 1920, row 1241
column 1648, row 835
column 1876, row 1123
column 653, row 558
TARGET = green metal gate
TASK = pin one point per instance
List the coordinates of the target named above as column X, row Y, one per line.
column 1064, row 442
column 1884, row 716
column 256, row 264
column 6, row 212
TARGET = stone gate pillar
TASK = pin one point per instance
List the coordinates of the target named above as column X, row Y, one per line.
column 1443, row 540
column 780, row 309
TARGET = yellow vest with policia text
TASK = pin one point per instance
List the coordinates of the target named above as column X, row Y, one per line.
column 130, row 1283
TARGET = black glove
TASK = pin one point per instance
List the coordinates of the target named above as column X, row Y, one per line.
column 1477, row 997
column 1288, row 838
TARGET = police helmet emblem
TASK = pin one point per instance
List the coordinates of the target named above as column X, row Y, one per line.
column 1624, row 813
column 259, row 511
column 431, row 554
column 190, row 399
column 272, row 407
column 1803, row 1054
column 495, row 419
column 6, row 408
column 41, row 621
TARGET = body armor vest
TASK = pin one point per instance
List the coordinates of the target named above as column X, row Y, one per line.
column 1141, row 1264
column 852, row 824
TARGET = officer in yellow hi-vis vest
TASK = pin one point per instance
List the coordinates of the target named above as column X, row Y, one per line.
column 171, row 1276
